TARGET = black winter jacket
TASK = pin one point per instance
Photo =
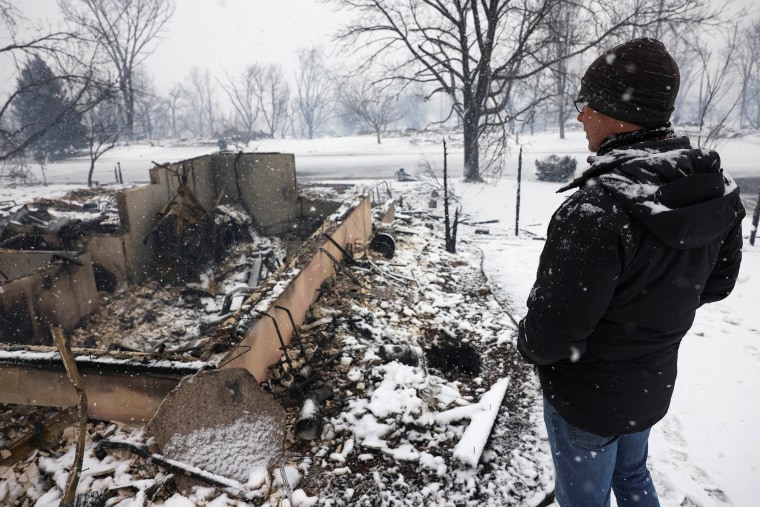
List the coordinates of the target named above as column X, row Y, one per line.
column 652, row 233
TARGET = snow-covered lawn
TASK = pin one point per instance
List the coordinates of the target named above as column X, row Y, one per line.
column 707, row 448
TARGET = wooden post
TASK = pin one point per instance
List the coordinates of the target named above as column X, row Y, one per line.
column 755, row 218
column 450, row 238
column 519, row 182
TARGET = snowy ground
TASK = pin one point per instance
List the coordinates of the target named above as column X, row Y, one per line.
column 704, row 453
column 706, row 449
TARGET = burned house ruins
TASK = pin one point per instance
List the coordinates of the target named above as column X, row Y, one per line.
column 247, row 348
column 60, row 257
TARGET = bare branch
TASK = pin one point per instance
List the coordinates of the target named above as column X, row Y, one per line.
column 125, row 30
column 476, row 51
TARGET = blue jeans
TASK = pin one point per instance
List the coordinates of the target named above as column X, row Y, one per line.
column 587, row 466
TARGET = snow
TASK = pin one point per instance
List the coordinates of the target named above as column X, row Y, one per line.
column 707, row 443
column 251, row 439
column 705, row 452
column 470, row 447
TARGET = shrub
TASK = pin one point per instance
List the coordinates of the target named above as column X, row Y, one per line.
column 554, row 168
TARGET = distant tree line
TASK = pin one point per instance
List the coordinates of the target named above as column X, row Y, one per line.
column 505, row 64
column 494, row 69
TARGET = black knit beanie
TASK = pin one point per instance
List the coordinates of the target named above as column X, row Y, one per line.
column 635, row 82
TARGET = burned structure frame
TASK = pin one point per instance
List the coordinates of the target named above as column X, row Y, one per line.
column 158, row 226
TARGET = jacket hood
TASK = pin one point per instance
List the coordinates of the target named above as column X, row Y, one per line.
column 677, row 192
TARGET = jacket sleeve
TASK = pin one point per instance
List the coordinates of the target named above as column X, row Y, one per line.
column 576, row 279
column 723, row 278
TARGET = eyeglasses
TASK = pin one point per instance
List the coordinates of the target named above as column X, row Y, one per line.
column 579, row 105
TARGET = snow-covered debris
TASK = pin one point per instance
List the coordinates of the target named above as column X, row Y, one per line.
column 378, row 366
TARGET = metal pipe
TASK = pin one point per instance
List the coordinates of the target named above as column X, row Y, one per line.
column 279, row 335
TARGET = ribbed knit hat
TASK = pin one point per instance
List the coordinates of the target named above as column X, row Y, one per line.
column 635, row 82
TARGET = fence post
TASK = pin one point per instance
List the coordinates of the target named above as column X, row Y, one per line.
column 519, row 183
column 755, row 218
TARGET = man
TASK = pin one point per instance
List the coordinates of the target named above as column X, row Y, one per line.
column 651, row 234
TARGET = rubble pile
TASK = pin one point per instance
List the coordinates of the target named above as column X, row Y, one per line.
column 29, row 226
column 176, row 319
column 386, row 365
column 160, row 315
column 379, row 386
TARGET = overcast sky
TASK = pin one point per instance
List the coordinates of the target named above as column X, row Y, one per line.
column 224, row 35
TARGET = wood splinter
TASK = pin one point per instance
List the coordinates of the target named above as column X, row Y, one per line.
column 73, row 373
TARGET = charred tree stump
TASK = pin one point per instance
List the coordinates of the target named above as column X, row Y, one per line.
column 451, row 229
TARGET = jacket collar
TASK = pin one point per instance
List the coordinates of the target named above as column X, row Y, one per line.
column 617, row 141
column 618, row 148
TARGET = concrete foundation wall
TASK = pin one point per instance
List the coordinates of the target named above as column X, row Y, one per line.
column 268, row 188
column 108, row 252
column 266, row 184
column 17, row 264
column 112, row 395
column 52, row 294
column 262, row 341
column 138, row 209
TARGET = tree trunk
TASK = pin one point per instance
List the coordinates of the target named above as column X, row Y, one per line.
column 90, row 173
column 471, row 147
column 129, row 104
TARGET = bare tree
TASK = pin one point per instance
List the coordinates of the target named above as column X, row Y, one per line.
column 202, row 101
column 242, row 93
column 371, row 104
column 272, row 92
column 126, row 30
column 716, row 72
column 540, row 86
column 412, row 102
column 72, row 68
column 563, row 37
column 151, row 113
column 474, row 51
column 289, row 120
column 103, row 129
column 747, row 60
column 314, row 90
column 8, row 14
column 173, row 103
